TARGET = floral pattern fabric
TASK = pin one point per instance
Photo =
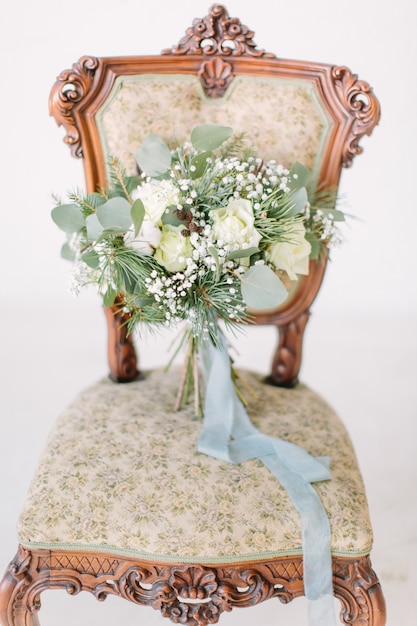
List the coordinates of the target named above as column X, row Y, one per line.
column 121, row 472
column 281, row 118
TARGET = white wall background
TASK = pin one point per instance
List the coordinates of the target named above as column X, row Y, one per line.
column 361, row 342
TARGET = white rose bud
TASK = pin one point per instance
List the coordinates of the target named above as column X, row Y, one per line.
column 235, row 224
column 291, row 256
column 173, row 249
column 156, row 197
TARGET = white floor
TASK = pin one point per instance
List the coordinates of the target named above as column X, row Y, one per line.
column 366, row 368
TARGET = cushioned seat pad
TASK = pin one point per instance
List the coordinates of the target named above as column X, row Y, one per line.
column 121, row 473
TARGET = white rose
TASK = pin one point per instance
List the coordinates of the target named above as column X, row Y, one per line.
column 291, row 256
column 173, row 249
column 147, row 239
column 156, row 196
column 234, row 224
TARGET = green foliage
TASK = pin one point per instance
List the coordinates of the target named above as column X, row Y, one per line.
column 298, row 201
column 242, row 254
column 316, row 245
column 170, row 216
column 199, row 162
column 299, row 176
column 91, row 259
column 137, row 213
column 68, row 217
column 107, row 236
column 208, row 137
column 153, row 156
column 67, row 253
column 262, row 289
column 109, row 297
column 115, row 214
column 94, row 228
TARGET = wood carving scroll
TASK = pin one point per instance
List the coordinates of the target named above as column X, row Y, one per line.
column 357, row 97
column 358, row 589
column 218, row 34
column 18, row 603
column 70, row 88
column 187, row 594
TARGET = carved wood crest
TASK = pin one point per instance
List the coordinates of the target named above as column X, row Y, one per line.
column 218, row 34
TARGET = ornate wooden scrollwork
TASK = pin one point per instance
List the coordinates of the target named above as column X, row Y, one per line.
column 15, row 607
column 358, row 97
column 70, row 88
column 360, row 593
column 218, row 34
column 189, row 594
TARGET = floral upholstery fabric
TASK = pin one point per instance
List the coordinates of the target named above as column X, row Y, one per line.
column 282, row 119
column 121, row 472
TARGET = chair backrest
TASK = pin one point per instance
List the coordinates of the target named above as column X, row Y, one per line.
column 288, row 110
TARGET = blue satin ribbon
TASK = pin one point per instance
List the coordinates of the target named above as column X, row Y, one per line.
column 229, row 435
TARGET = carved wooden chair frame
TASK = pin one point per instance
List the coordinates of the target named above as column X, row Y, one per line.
column 216, row 48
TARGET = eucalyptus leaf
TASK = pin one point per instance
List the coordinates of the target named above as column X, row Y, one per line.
column 142, row 301
column 109, row 297
column 200, row 164
column 67, row 253
column 299, row 176
column 68, row 217
column 94, row 228
column 115, row 214
column 242, row 254
column 153, row 156
column 262, row 289
column 114, row 230
column 315, row 245
column 210, row 136
column 298, row 200
column 91, row 259
column 170, row 216
column 137, row 213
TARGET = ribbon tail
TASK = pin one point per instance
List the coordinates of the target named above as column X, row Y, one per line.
column 228, row 434
column 316, row 538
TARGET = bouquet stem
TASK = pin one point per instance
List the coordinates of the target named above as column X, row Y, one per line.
column 190, row 378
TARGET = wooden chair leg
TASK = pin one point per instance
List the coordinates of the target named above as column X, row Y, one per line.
column 357, row 587
column 19, row 597
column 121, row 351
column 287, row 359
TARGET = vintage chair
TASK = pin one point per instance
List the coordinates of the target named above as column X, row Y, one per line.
column 122, row 503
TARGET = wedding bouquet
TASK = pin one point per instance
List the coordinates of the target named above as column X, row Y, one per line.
column 204, row 232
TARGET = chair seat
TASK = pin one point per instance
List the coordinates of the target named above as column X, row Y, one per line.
column 121, row 473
